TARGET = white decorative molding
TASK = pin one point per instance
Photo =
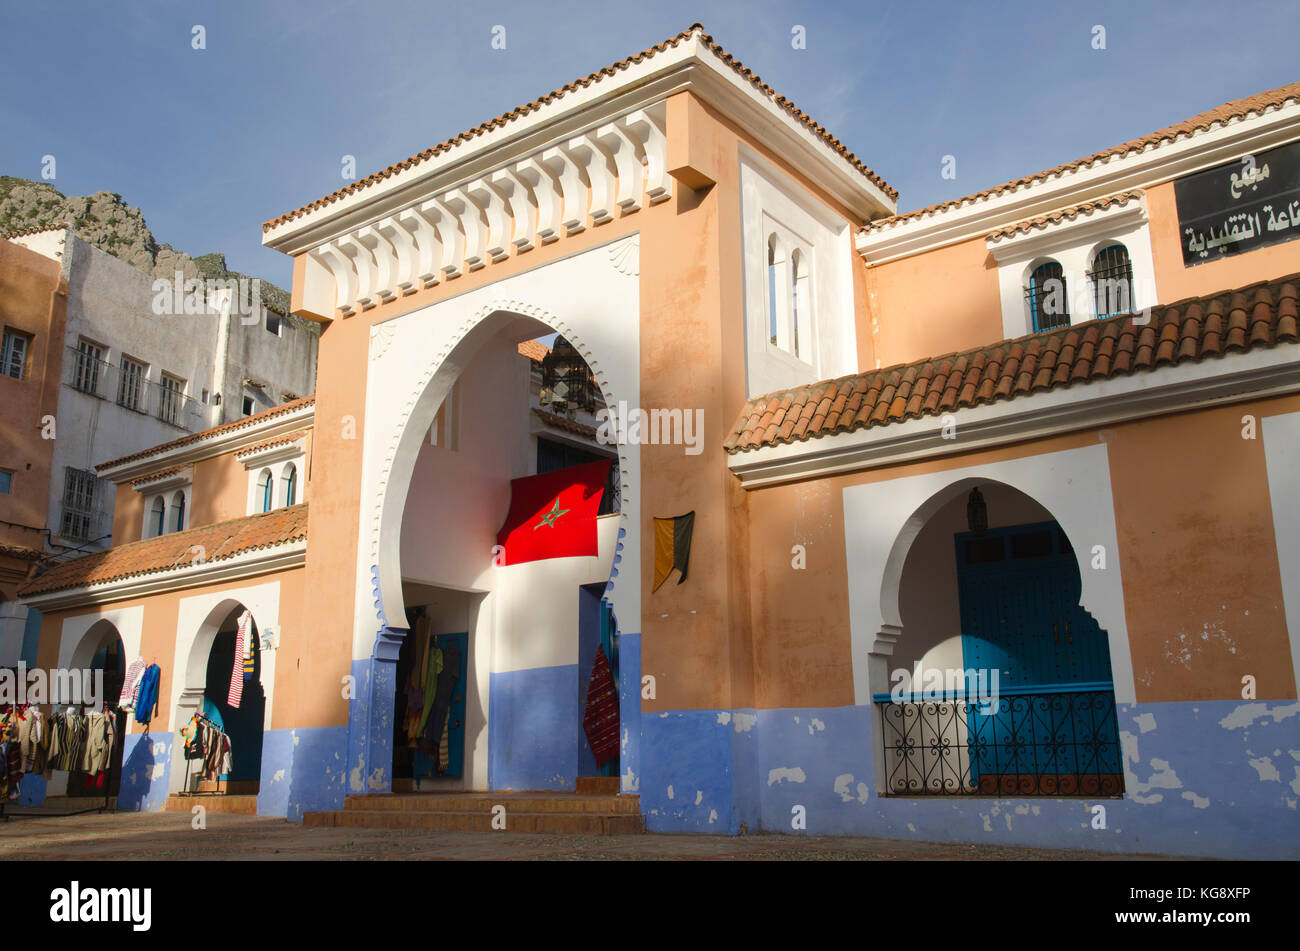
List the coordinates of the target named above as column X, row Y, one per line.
column 219, row 440
column 585, row 181
column 256, row 458
column 626, row 255
column 164, row 481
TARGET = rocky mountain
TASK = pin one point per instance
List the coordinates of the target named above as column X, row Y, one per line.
column 110, row 224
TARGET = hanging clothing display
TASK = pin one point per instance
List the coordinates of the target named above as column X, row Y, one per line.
column 68, row 734
column 434, row 666
column 242, row 633
column 130, row 684
column 207, row 744
column 101, row 731
column 448, row 677
column 33, row 741
column 415, row 681
column 11, row 757
column 146, row 703
column 249, row 664
column 600, row 721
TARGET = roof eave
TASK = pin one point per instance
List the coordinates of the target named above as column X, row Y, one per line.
column 690, row 65
column 977, row 216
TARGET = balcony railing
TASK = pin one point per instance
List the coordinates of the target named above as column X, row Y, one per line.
column 149, row 398
column 1053, row 742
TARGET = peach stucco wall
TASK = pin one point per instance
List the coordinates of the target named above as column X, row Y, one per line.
column 33, row 300
column 929, row 304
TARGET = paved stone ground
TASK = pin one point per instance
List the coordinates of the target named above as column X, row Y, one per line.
column 168, row 835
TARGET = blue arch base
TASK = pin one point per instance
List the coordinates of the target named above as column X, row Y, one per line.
column 370, row 716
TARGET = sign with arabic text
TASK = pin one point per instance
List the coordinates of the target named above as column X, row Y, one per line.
column 1246, row 204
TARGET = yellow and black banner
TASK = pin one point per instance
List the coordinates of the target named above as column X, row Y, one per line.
column 672, row 547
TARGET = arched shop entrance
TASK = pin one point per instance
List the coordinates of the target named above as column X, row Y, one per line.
column 492, row 680
column 1000, row 681
column 226, row 654
column 101, row 650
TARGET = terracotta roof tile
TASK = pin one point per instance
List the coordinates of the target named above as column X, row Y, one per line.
column 176, row 550
column 231, row 426
column 268, row 443
column 22, row 552
column 1263, row 315
column 1236, row 109
column 534, row 350
column 160, row 474
column 1064, row 214
column 36, row 229
column 780, row 101
column 568, row 425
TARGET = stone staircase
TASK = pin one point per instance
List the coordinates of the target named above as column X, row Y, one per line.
column 240, row 805
column 595, row 807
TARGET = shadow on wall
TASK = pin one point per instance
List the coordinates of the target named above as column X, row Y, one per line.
column 144, row 779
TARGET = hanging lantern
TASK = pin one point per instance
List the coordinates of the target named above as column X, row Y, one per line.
column 566, row 379
column 977, row 513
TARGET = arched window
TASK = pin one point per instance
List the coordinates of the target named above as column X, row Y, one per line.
column 266, row 485
column 1047, row 298
column 159, row 520
column 290, row 480
column 178, row 506
column 798, row 295
column 773, row 304
column 1112, row 281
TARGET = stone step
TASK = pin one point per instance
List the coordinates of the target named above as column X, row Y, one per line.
column 599, row 785
column 519, row 821
column 242, row 805
column 555, row 803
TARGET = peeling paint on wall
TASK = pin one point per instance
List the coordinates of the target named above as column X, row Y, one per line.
column 793, row 774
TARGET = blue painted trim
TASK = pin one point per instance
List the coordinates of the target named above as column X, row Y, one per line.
column 920, row 696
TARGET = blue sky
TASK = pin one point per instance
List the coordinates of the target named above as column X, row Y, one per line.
column 211, row 143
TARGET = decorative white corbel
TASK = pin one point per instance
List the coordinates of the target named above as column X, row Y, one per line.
column 344, row 278
column 385, row 257
column 545, row 187
column 569, row 173
column 471, row 220
column 364, row 262
column 627, row 162
column 494, row 210
column 648, row 125
column 521, row 203
column 403, row 245
column 453, row 239
column 598, row 167
column 427, row 243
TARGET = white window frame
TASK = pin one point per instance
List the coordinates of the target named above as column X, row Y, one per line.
column 141, row 401
column 1074, row 244
column 165, row 489
column 772, row 202
column 276, row 460
column 11, row 350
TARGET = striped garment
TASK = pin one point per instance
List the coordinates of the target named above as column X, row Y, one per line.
column 131, row 683
column 236, row 672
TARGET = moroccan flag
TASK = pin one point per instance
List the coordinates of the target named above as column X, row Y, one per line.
column 672, row 547
column 553, row 515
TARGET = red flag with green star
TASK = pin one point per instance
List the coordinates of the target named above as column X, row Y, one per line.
column 553, row 515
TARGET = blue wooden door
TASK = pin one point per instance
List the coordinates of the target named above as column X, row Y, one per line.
column 1019, row 591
